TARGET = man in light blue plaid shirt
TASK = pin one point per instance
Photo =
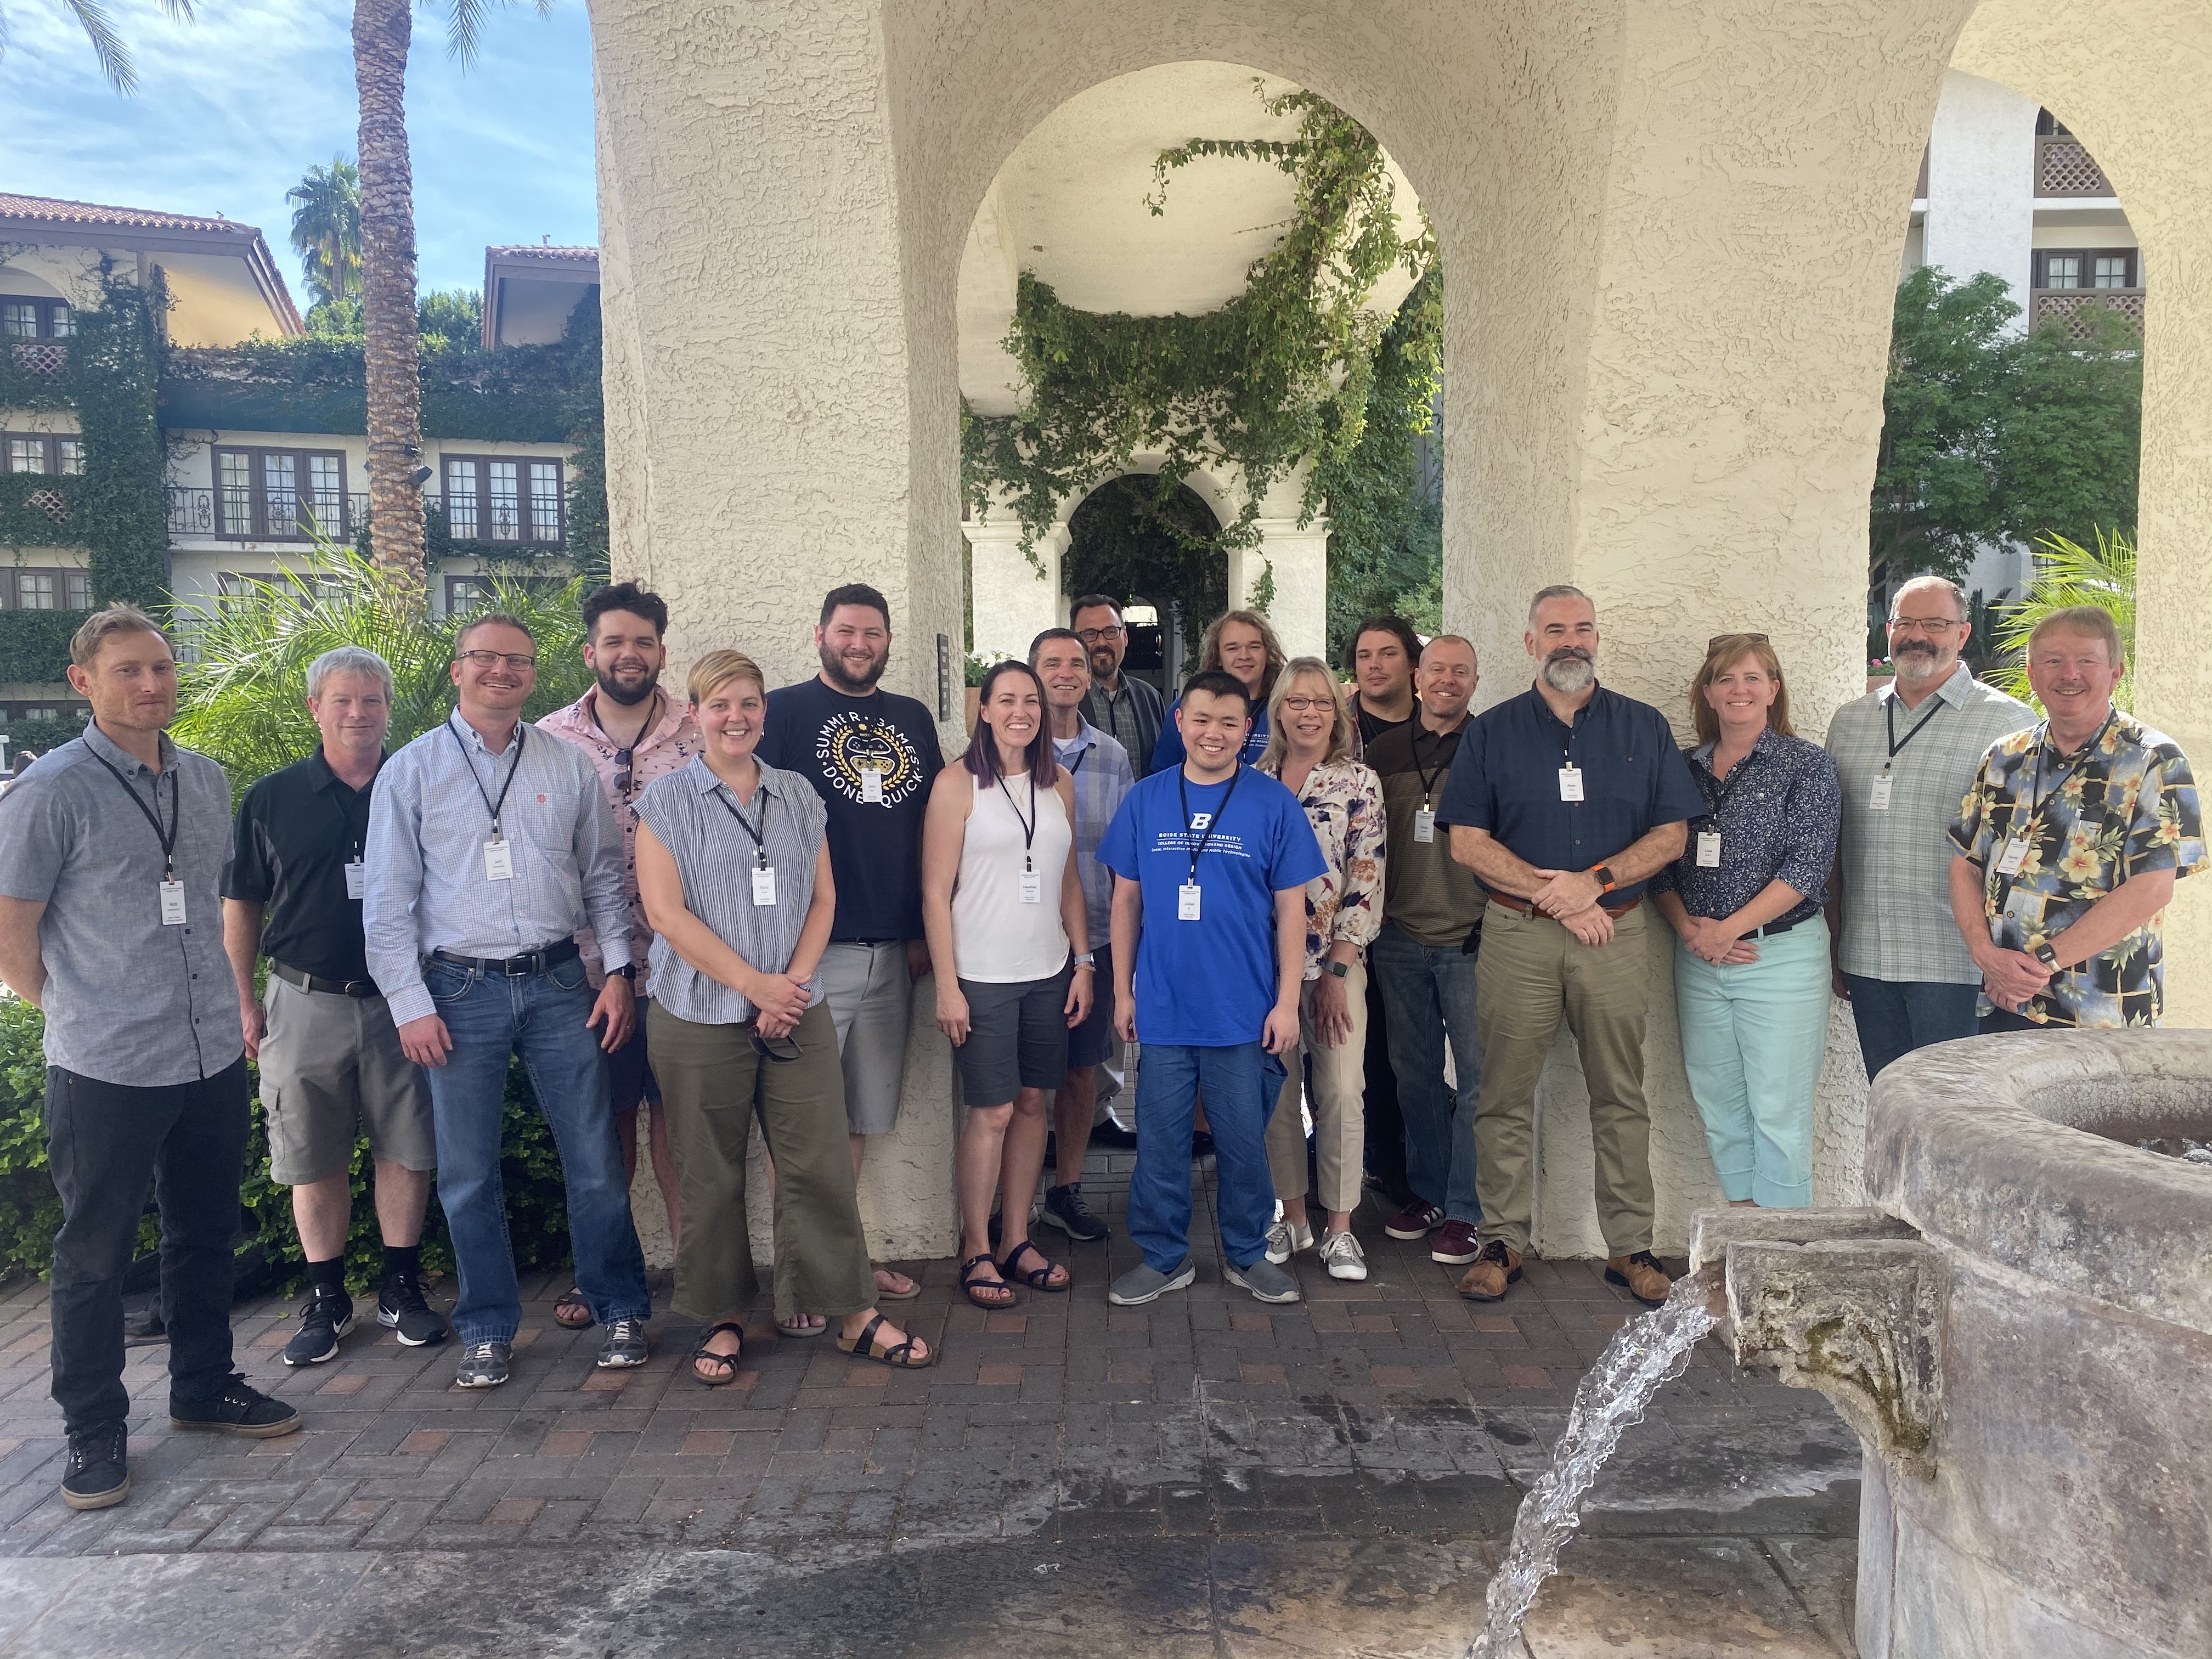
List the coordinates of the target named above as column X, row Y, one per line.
column 1100, row 768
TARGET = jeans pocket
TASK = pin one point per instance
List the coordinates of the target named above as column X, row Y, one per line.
column 446, row 983
column 568, row 976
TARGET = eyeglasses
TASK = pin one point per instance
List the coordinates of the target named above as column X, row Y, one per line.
column 1931, row 626
column 623, row 770
column 1714, row 643
column 1303, row 705
column 493, row 658
column 1093, row 636
column 780, row 1049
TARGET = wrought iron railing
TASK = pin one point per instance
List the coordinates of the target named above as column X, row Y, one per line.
column 233, row 515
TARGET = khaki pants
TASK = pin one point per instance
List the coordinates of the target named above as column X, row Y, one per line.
column 712, row 1081
column 1339, row 1106
column 1530, row 972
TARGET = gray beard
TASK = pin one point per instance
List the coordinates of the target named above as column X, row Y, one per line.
column 1568, row 675
column 1915, row 665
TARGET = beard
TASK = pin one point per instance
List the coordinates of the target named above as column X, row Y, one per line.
column 627, row 696
column 833, row 664
column 1569, row 669
column 1915, row 660
column 1103, row 665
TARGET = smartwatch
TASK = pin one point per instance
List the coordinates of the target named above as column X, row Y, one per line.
column 1341, row 969
column 2047, row 954
column 1605, row 880
column 1087, row 960
column 629, row 971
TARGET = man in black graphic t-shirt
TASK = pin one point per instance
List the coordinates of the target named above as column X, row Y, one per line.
column 872, row 757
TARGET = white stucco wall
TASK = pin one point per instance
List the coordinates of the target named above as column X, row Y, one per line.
column 1981, row 182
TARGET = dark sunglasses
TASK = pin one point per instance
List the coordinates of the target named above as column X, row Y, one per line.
column 776, row 1049
column 1714, row 643
column 623, row 770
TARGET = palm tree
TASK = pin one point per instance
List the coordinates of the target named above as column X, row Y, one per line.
column 2066, row 575
column 106, row 45
column 326, row 229
column 382, row 31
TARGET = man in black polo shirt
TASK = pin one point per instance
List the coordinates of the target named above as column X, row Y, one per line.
column 1564, row 801
column 330, row 1056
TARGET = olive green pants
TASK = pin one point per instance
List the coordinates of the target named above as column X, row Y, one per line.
column 1531, row 974
column 712, row 1083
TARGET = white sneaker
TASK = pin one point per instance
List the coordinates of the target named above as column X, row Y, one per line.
column 1341, row 1255
column 1285, row 1242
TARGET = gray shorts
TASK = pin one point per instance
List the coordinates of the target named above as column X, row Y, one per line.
column 871, row 1000
column 1094, row 1040
column 1017, row 1039
column 332, row 1066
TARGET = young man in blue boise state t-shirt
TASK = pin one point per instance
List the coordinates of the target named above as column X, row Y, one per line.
column 1210, row 861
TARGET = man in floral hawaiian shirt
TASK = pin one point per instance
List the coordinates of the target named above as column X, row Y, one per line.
column 2068, row 844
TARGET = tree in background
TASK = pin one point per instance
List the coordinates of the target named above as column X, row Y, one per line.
column 106, row 45
column 326, row 231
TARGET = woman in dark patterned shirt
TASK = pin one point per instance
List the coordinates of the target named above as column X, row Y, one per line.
column 1751, row 968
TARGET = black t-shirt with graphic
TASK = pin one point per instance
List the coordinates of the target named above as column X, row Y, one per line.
column 875, row 846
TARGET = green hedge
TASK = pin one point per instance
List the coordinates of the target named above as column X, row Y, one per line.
column 22, row 524
column 34, row 646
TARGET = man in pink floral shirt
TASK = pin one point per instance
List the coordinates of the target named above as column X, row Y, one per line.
column 633, row 732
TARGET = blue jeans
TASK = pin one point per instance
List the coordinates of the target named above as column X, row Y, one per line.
column 1895, row 1017
column 1241, row 1083
column 1754, row 1036
column 1428, row 995
column 540, row 1017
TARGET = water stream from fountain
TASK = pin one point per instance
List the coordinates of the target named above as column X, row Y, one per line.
column 1644, row 1353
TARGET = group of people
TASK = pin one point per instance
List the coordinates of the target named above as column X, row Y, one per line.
column 690, row 914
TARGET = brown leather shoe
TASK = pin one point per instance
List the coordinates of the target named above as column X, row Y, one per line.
column 1641, row 1275
column 1497, row 1267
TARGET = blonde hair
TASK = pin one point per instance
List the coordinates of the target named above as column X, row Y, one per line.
column 118, row 617
column 709, row 673
column 1209, row 647
column 1724, row 652
column 1340, row 733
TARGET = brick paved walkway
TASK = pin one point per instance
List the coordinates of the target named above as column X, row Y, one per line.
column 1067, row 1466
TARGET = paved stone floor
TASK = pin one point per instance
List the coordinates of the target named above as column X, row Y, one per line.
column 1205, row 1476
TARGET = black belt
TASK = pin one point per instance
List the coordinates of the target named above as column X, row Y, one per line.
column 1774, row 927
column 336, row 987
column 521, row 966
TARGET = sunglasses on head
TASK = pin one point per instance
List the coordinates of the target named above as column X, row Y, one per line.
column 1714, row 643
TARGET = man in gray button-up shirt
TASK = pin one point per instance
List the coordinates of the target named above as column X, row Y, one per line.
column 110, row 848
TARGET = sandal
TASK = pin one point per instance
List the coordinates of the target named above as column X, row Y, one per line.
column 729, row 1361
column 796, row 1327
column 977, row 1289
column 572, row 1312
column 883, row 1294
column 1038, row 1278
column 900, row 1358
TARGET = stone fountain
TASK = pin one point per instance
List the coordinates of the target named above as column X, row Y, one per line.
column 2020, row 1328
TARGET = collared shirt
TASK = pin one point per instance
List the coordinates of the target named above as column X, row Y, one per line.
column 1505, row 779
column 1777, row 815
column 1343, row 801
column 2126, row 806
column 297, row 831
column 1427, row 894
column 1100, row 770
column 689, row 813
column 1897, row 863
column 127, row 1000
column 427, row 824
column 666, row 746
column 1132, row 716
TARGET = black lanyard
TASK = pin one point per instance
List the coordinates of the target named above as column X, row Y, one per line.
column 153, row 814
column 1889, row 713
column 1717, row 795
column 2042, row 744
column 1081, row 756
column 625, row 754
column 1212, row 824
column 521, row 731
column 760, row 835
column 1029, row 825
column 1428, row 781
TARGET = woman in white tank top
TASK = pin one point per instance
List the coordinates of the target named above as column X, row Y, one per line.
column 1002, row 903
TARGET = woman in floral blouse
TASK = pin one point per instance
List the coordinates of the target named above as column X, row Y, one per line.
column 1310, row 748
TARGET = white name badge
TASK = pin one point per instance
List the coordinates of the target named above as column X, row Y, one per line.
column 173, row 903
column 872, row 785
column 1709, row 849
column 1570, row 783
column 1878, row 796
column 499, row 861
column 1186, row 902
column 2014, row 855
column 1424, row 824
column 1032, row 887
column 763, row 885
column 356, row 879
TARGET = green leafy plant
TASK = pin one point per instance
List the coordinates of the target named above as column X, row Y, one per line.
column 34, row 645
column 2067, row 573
column 326, row 231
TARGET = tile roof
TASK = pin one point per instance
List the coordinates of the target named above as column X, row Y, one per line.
column 538, row 251
column 54, row 211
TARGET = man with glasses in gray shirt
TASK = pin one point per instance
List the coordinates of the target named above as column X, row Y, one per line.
column 1129, row 710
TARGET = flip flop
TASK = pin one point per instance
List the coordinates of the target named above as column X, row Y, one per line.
column 1038, row 1278
column 971, row 1284
column 796, row 1332
column 913, row 1291
column 899, row 1357
column 702, row 1351
column 568, row 1322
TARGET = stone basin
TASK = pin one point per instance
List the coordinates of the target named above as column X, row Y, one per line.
column 2020, row 1328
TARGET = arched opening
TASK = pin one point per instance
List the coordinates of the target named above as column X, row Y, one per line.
column 1160, row 554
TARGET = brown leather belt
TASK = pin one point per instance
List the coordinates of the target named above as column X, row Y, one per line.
column 1522, row 907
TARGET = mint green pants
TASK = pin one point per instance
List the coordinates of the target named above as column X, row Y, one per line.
column 1752, row 1040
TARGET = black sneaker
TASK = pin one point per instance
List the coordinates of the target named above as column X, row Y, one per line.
column 400, row 1308
column 1064, row 1208
column 236, row 1408
column 1110, row 1135
column 325, row 1317
column 96, row 1474
column 1201, row 1143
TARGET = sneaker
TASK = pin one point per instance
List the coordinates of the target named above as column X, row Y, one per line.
column 400, row 1307
column 483, row 1364
column 1145, row 1282
column 235, row 1408
column 1064, row 1208
column 1341, row 1255
column 1201, row 1143
column 1285, row 1240
column 1111, row 1135
column 1457, row 1243
column 325, row 1317
column 1640, row 1276
column 97, row 1474
column 1417, row 1220
column 625, row 1345
column 1499, row 1266
column 1266, row 1281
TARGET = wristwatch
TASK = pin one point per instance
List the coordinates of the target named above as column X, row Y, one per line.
column 1605, row 881
column 629, row 971
column 1085, row 959
column 1341, row 969
column 2047, row 954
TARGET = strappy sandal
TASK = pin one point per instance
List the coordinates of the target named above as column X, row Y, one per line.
column 799, row 1330
column 900, row 1358
column 572, row 1312
column 1038, row 1278
column 975, row 1287
column 730, row 1360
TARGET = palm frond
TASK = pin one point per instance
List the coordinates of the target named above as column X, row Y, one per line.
column 464, row 23
column 2068, row 575
column 106, row 45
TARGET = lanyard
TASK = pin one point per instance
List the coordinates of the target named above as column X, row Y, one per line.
column 1715, row 792
column 1889, row 713
column 760, row 835
column 1029, row 823
column 1214, row 823
column 153, row 814
column 1428, row 779
column 521, row 731
column 345, row 818
column 2036, row 794
column 1081, row 756
column 625, row 752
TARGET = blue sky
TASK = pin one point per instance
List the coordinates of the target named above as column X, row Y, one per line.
column 232, row 109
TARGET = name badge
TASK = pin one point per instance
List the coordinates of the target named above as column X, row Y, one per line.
column 2014, row 855
column 1570, row 783
column 1709, row 849
column 356, row 879
column 1032, row 887
column 872, row 785
column 499, row 860
column 1878, row 796
column 1186, row 902
column 1424, row 824
column 764, row 886
column 173, row 903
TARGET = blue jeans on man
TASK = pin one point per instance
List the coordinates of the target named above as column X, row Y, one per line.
column 541, row 1018
column 1241, row 1083
column 1895, row 1017
column 1428, row 997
